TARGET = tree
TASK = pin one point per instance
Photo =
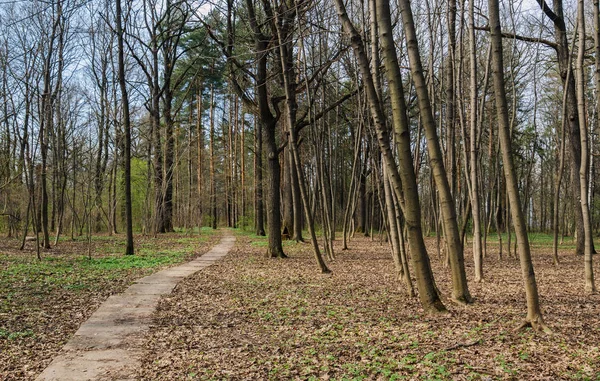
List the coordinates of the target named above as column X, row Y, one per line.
column 460, row 291
column 556, row 15
column 403, row 178
column 127, row 128
column 590, row 286
column 534, row 312
column 285, row 17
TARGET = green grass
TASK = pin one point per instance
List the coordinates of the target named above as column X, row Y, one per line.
column 25, row 281
column 539, row 240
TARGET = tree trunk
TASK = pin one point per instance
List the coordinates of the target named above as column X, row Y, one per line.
column 534, row 313
column 566, row 72
column 213, row 196
column 258, row 180
column 474, row 154
column 590, row 286
column 403, row 179
column 127, row 132
column 460, row 289
column 200, row 149
column 287, row 65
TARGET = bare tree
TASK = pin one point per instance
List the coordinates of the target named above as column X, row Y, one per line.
column 534, row 312
column 129, row 250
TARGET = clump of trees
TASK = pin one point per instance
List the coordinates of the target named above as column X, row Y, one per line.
column 278, row 115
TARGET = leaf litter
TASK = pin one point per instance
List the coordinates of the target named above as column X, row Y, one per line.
column 42, row 304
column 248, row 317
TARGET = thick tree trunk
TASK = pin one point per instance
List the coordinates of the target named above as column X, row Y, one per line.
column 275, row 248
column 287, row 202
column 127, row 132
column 268, row 125
column 296, row 200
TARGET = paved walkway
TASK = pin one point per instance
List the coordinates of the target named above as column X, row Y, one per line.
column 108, row 345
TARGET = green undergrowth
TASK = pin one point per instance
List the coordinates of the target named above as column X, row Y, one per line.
column 536, row 240
column 539, row 240
column 25, row 282
column 261, row 240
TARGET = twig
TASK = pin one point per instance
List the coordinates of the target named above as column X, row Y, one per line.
column 463, row 345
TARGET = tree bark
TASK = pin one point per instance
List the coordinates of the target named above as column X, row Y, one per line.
column 556, row 15
column 474, row 154
column 403, row 179
column 590, row 286
column 129, row 250
column 534, row 312
column 460, row 289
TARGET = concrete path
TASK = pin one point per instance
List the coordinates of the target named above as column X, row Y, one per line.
column 107, row 346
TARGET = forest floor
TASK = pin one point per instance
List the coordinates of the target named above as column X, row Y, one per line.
column 43, row 303
column 248, row 317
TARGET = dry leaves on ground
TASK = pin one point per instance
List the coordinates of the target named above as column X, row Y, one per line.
column 248, row 317
column 42, row 304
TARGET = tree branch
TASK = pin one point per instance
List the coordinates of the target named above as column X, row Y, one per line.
column 302, row 122
column 514, row 36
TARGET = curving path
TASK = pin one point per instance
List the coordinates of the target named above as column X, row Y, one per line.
column 107, row 346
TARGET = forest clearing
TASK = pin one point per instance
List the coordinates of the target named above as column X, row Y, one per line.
column 249, row 317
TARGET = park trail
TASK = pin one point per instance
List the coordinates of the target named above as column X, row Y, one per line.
column 108, row 345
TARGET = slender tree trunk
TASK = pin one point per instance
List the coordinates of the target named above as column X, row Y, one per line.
column 534, row 312
column 351, row 194
column 243, row 170
column 170, row 152
column 450, row 98
column 556, row 15
column 559, row 176
column 46, row 122
column 460, row 290
column 404, row 180
column 213, row 196
column 258, row 180
column 395, row 231
column 200, row 149
column 286, row 55
column 590, row 286
column 474, row 154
